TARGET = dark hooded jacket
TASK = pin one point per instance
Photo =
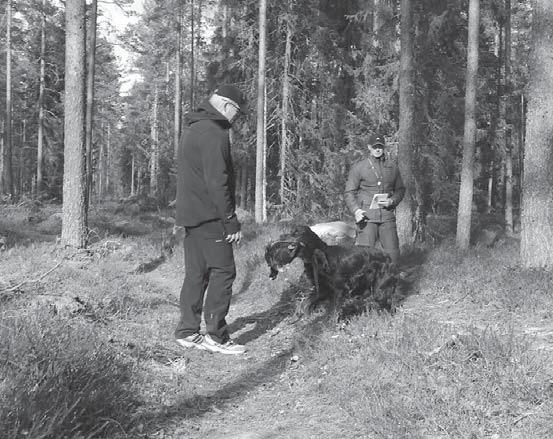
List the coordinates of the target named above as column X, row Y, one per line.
column 205, row 178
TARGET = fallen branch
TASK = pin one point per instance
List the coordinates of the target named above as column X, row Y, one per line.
column 38, row 279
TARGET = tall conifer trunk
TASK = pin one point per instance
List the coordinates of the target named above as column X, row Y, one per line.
column 285, row 108
column 178, row 98
column 405, row 210
column 260, row 177
column 42, row 75
column 467, row 184
column 508, row 130
column 154, row 138
column 537, row 198
column 192, row 55
column 73, row 231
column 8, row 168
column 91, row 64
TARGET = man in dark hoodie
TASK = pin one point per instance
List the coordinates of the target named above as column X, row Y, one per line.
column 206, row 211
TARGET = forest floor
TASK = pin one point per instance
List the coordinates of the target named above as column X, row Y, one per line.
column 469, row 354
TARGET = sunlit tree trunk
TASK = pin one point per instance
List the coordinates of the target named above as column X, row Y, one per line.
column 467, row 184
column 244, row 187
column 536, row 245
column 405, row 210
column 107, row 153
column 285, row 109
column 260, row 176
column 21, row 166
column 40, row 134
column 133, row 173
column 101, row 166
column 192, row 55
column 74, row 216
column 8, row 168
column 178, row 98
column 154, row 138
column 508, row 130
column 91, row 62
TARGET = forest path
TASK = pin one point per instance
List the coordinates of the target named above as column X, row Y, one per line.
column 260, row 395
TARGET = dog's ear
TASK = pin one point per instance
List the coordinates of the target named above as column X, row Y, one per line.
column 293, row 248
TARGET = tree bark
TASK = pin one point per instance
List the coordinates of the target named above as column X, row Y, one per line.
column 537, row 189
column 91, row 64
column 507, row 124
column 285, row 110
column 178, row 80
column 260, row 177
column 100, row 181
column 192, row 55
column 405, row 210
column 469, row 137
column 154, row 137
column 244, row 187
column 8, row 168
column 133, row 172
column 74, row 216
column 40, row 134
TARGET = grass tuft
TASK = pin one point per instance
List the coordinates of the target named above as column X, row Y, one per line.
column 60, row 380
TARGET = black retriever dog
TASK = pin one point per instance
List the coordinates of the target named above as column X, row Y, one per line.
column 352, row 278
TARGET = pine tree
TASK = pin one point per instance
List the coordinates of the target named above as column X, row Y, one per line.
column 537, row 198
column 74, row 183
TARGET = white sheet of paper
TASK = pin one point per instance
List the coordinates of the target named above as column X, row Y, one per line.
column 376, row 199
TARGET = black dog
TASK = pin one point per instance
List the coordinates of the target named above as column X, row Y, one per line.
column 353, row 279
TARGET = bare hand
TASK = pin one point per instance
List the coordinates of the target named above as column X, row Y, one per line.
column 360, row 214
column 234, row 237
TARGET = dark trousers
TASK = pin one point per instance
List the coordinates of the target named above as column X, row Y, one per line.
column 370, row 233
column 209, row 274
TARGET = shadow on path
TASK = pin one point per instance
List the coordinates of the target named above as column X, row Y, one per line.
column 261, row 374
column 264, row 371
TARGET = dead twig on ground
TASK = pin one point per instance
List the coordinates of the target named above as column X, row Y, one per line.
column 6, row 291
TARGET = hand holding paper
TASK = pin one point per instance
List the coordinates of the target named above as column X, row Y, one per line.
column 380, row 200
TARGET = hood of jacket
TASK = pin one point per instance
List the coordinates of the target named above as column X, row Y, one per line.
column 205, row 111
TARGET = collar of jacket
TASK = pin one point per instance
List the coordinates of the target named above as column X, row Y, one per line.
column 206, row 111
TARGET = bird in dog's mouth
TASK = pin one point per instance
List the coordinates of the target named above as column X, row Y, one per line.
column 280, row 253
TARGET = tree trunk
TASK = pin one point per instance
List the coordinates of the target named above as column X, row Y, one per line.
column 91, row 64
column 133, row 172
column 285, row 110
column 260, row 177
column 40, row 134
column 192, row 55
column 154, row 137
column 467, row 183
column 507, row 124
column 74, row 218
column 376, row 23
column 178, row 98
column 406, row 209
column 100, row 173
column 537, row 198
column 21, row 165
column 8, row 168
column 244, row 187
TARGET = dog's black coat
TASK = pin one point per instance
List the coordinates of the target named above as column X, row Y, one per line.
column 353, row 279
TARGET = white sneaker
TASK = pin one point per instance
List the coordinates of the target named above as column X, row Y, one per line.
column 192, row 341
column 229, row 347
